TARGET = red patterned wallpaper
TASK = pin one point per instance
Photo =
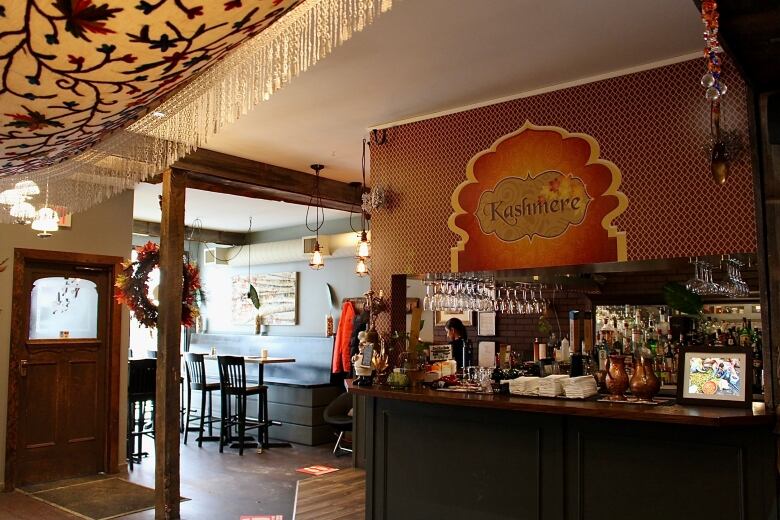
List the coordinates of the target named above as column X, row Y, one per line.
column 653, row 125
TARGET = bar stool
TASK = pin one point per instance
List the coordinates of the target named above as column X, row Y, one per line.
column 195, row 367
column 153, row 355
column 232, row 381
column 141, row 387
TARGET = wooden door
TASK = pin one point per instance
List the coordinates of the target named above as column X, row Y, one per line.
column 62, row 372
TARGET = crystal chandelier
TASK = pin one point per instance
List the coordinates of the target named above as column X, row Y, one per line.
column 23, row 212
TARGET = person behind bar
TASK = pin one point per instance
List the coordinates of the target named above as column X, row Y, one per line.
column 456, row 333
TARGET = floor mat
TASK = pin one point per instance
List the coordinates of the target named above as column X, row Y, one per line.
column 99, row 499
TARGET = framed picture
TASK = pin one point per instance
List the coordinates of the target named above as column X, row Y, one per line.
column 486, row 324
column 443, row 316
column 715, row 376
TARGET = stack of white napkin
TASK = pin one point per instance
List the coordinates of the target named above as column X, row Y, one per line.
column 524, row 386
column 580, row 387
column 551, row 386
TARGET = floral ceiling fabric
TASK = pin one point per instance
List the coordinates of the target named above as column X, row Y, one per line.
column 74, row 71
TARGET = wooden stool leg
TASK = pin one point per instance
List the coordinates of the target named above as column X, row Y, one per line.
column 266, row 419
column 201, row 430
column 223, row 418
column 187, row 422
column 241, row 405
column 211, row 416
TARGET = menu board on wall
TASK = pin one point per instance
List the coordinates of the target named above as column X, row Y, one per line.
column 538, row 197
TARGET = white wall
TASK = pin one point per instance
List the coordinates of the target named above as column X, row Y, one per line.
column 106, row 230
column 312, row 294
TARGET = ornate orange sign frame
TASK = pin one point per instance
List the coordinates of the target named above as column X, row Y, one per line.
column 540, row 196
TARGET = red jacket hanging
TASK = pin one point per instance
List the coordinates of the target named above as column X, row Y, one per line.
column 341, row 357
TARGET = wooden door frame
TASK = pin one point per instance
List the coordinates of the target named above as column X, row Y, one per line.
column 113, row 346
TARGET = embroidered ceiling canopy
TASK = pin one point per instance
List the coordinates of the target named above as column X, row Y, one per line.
column 96, row 95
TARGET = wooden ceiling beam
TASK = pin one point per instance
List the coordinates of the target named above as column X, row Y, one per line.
column 213, row 171
column 211, row 236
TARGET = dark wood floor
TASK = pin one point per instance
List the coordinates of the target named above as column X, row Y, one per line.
column 336, row 496
column 219, row 486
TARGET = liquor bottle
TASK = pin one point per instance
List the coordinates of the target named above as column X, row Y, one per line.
column 536, row 350
column 745, row 336
column 758, row 364
column 669, row 364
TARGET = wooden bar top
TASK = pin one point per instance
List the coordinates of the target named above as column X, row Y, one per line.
column 676, row 414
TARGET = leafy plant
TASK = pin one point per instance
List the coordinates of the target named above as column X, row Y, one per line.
column 682, row 299
column 253, row 296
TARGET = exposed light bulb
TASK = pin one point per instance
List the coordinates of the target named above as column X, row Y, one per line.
column 317, row 262
column 361, row 269
column 363, row 248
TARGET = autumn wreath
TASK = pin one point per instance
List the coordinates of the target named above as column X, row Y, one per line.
column 132, row 287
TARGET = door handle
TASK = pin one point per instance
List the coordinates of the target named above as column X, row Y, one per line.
column 23, row 367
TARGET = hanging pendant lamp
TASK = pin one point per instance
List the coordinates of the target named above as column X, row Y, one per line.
column 316, row 261
column 363, row 252
column 46, row 220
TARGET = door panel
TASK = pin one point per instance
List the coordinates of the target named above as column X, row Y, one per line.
column 40, row 426
column 63, row 411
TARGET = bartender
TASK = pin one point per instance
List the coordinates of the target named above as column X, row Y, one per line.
column 458, row 338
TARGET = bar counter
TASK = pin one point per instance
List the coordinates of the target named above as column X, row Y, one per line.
column 432, row 454
column 692, row 415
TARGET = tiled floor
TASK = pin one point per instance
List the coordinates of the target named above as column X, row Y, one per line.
column 219, row 486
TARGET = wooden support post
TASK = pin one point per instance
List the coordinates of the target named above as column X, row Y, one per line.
column 168, row 352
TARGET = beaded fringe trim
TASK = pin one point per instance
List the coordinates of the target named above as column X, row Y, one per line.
column 223, row 93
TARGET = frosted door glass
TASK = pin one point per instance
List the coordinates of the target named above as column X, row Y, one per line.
column 63, row 308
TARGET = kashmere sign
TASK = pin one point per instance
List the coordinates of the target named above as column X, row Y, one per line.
column 538, row 197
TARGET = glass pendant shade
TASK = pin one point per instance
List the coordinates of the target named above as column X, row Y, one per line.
column 361, row 269
column 11, row 197
column 23, row 212
column 46, row 221
column 317, row 262
column 27, row 188
column 364, row 246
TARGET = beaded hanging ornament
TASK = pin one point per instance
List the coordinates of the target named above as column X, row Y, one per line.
column 712, row 81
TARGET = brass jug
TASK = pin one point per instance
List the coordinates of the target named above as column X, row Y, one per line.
column 617, row 378
column 644, row 383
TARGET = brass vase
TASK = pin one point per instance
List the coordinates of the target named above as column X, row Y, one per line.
column 617, row 378
column 644, row 383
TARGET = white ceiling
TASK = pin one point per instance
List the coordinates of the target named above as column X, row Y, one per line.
column 427, row 56
column 226, row 212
